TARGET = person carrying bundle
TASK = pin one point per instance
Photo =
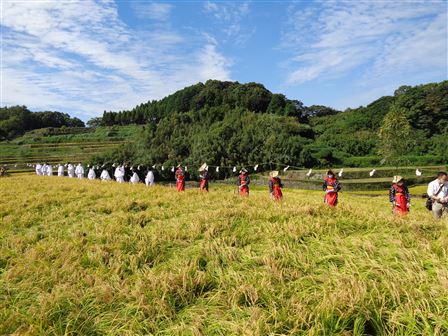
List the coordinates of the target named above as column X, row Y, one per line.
column 180, row 178
column 331, row 187
column 203, row 170
column 119, row 174
column 399, row 196
column 134, row 178
column 91, row 175
column 105, row 176
column 243, row 182
column 275, row 186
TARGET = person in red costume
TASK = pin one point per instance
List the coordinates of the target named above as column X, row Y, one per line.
column 331, row 187
column 203, row 174
column 275, row 186
column 243, row 182
column 180, row 178
column 399, row 196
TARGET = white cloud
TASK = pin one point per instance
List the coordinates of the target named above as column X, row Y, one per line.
column 80, row 57
column 382, row 39
column 152, row 10
column 229, row 16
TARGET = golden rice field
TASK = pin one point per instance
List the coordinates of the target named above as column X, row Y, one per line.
column 100, row 258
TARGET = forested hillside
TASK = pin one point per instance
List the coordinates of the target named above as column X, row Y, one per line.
column 16, row 120
column 228, row 123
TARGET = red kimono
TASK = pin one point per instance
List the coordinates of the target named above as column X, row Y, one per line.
column 204, row 181
column 275, row 188
column 400, row 195
column 180, row 179
column 243, row 182
column 331, row 187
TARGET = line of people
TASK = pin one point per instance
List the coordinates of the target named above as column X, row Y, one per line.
column 399, row 195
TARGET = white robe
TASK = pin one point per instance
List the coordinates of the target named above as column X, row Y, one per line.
column 44, row 169
column 135, row 179
column 79, row 171
column 119, row 174
column 105, row 175
column 149, row 180
column 61, row 170
column 91, row 175
column 39, row 169
column 50, row 170
column 71, row 170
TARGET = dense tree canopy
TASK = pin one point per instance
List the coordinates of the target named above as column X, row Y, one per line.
column 16, row 120
column 227, row 123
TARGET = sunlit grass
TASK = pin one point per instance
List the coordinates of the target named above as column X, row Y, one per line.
column 94, row 258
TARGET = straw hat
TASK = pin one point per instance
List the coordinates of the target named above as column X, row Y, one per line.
column 203, row 167
column 244, row 170
column 178, row 166
column 397, row 179
column 274, row 173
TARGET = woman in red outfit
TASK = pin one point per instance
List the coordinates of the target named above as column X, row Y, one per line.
column 243, row 182
column 331, row 187
column 399, row 196
column 203, row 174
column 180, row 179
column 275, row 186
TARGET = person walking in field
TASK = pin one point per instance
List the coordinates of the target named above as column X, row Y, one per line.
column 134, row 178
column 149, row 179
column 71, row 170
column 79, row 171
column 203, row 174
column 399, row 196
column 180, row 178
column 49, row 170
column 243, row 182
column 105, row 176
column 60, row 170
column 91, row 175
column 275, row 186
column 44, row 169
column 119, row 174
column 331, row 187
column 38, row 169
column 438, row 195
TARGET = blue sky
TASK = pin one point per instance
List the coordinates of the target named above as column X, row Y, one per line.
column 84, row 57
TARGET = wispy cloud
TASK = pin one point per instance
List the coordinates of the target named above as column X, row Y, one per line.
column 230, row 16
column 80, row 57
column 381, row 39
column 152, row 10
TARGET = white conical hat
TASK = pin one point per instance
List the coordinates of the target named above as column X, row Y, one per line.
column 203, row 167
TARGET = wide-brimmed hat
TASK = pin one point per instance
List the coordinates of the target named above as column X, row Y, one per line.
column 243, row 170
column 178, row 166
column 397, row 179
column 203, row 167
column 274, row 173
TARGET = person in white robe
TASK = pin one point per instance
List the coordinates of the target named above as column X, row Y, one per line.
column 149, row 180
column 119, row 174
column 39, row 169
column 91, row 174
column 79, row 171
column 44, row 169
column 134, row 178
column 50, row 170
column 105, row 175
column 71, row 170
column 60, row 170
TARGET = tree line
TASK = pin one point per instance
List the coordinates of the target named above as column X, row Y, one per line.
column 16, row 120
column 227, row 123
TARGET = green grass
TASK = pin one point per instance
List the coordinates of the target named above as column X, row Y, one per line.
column 92, row 258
